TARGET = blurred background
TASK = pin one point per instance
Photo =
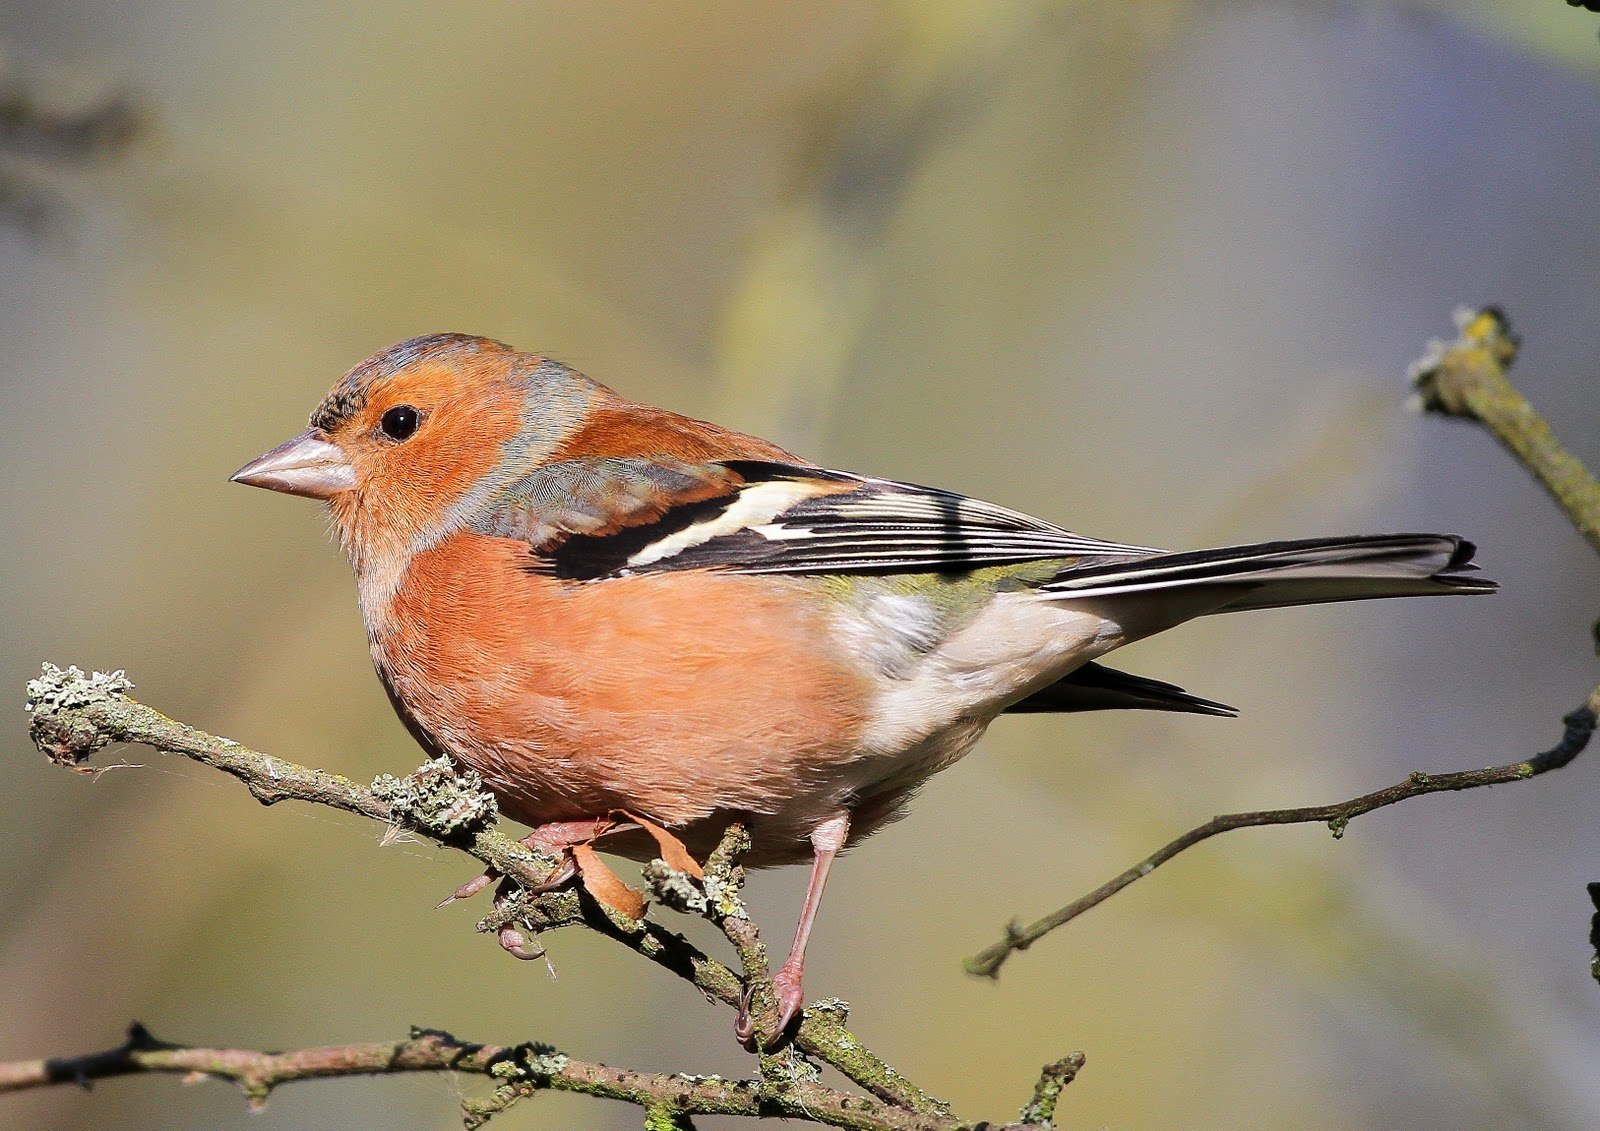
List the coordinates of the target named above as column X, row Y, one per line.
column 1153, row 270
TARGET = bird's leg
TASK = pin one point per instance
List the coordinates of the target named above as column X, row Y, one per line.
column 826, row 841
column 554, row 838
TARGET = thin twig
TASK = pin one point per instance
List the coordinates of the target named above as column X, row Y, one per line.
column 1580, row 725
column 1465, row 378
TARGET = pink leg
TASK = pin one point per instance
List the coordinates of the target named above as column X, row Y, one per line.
column 826, row 841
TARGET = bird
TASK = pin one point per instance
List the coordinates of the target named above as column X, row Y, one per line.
column 627, row 619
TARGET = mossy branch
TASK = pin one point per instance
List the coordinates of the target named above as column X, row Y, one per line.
column 1469, row 378
column 1465, row 378
column 75, row 714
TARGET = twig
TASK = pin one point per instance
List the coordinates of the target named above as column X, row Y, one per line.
column 1041, row 1110
column 1594, row 931
column 723, row 906
column 1580, row 725
column 517, row 1071
column 74, row 715
column 1464, row 378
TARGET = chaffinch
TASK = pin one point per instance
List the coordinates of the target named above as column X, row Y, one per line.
column 609, row 609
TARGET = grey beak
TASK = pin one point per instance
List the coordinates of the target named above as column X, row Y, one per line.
column 306, row 465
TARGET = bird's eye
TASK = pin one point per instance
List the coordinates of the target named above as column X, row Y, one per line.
column 400, row 422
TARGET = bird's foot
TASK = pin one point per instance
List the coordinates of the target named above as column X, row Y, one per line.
column 556, row 838
column 790, row 1000
column 510, row 936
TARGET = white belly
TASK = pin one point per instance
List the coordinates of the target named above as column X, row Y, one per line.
column 928, row 713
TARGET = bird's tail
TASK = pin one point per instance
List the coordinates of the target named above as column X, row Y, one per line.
column 1273, row 574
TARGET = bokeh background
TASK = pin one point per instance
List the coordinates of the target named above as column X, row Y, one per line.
column 1154, row 270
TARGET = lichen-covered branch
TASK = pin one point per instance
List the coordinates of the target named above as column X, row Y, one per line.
column 73, row 715
column 716, row 897
column 1466, row 378
column 1053, row 1080
column 515, row 1070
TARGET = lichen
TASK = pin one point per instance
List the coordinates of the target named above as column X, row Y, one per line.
column 532, row 1062
column 65, row 739
column 664, row 1118
column 675, row 888
column 835, row 1007
column 57, row 690
column 1041, row 1110
column 791, row 1066
column 722, row 896
column 437, row 798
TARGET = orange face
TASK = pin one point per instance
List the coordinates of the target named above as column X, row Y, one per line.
column 411, row 433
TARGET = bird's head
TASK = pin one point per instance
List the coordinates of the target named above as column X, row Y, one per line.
column 406, row 443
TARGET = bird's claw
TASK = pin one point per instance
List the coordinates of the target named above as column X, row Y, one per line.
column 510, row 937
column 515, row 943
column 744, row 1026
column 790, row 1000
column 536, row 840
column 469, row 889
column 565, row 871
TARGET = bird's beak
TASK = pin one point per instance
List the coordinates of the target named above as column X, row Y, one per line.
column 306, row 465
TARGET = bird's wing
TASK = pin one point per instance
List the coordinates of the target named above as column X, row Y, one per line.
column 597, row 518
column 600, row 498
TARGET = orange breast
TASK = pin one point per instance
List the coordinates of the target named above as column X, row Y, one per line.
column 675, row 695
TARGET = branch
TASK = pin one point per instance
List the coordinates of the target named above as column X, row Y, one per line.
column 1594, row 931
column 74, row 715
column 1580, row 725
column 1465, row 378
column 516, row 1070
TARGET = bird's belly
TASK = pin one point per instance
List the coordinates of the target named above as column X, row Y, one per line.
column 685, row 698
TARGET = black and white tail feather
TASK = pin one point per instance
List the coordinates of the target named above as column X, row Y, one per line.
column 1302, row 572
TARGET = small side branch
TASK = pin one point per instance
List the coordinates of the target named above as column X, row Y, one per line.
column 1053, row 1080
column 1580, row 726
